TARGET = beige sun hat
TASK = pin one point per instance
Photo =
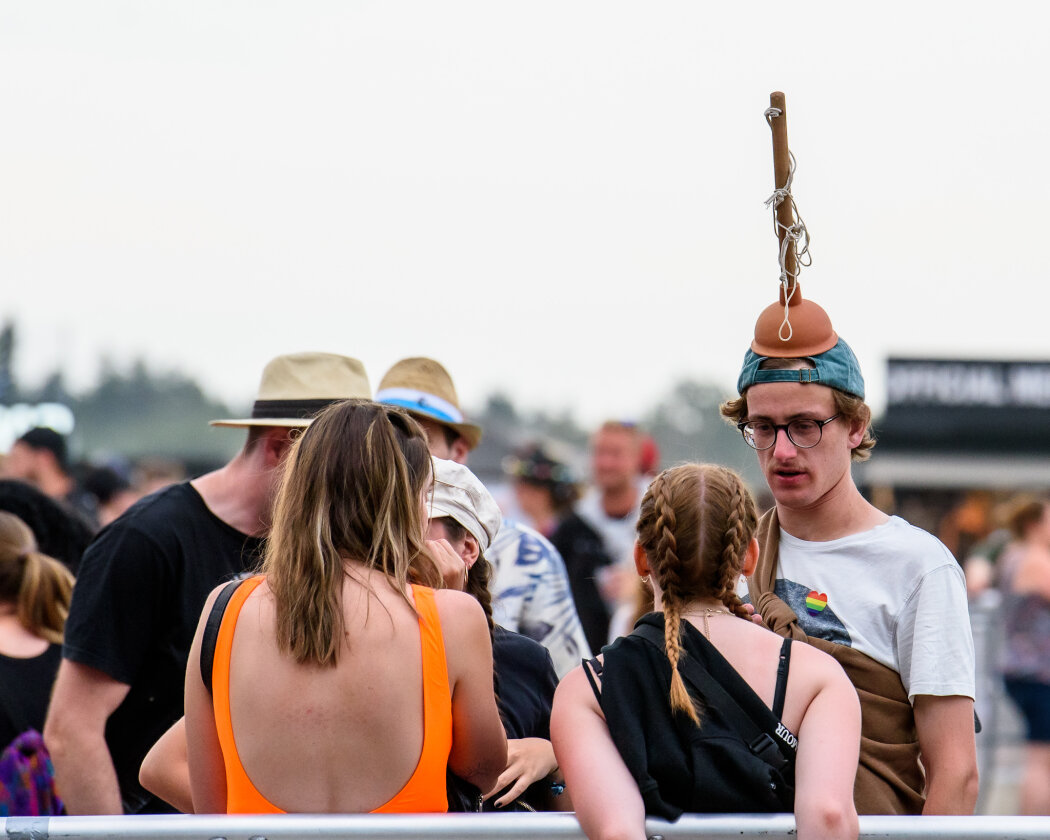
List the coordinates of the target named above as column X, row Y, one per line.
column 423, row 387
column 296, row 387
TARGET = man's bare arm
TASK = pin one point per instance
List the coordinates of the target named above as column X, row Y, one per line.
column 949, row 753
column 75, row 734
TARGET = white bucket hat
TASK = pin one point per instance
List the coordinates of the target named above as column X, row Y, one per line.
column 460, row 495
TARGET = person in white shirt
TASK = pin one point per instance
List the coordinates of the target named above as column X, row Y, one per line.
column 885, row 598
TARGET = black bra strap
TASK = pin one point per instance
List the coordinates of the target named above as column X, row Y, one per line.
column 782, row 679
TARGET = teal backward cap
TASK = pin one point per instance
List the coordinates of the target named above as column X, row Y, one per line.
column 835, row 368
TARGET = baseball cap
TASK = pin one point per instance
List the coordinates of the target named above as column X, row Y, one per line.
column 836, row 368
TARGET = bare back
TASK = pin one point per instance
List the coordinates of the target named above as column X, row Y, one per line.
column 754, row 653
column 358, row 727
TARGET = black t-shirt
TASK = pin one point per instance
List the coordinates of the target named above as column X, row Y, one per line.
column 584, row 553
column 525, row 684
column 26, row 685
column 140, row 589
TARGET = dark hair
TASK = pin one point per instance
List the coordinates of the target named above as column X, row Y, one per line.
column 533, row 465
column 352, row 488
column 43, row 438
column 58, row 533
column 451, row 435
column 478, row 580
column 478, row 577
column 104, row 483
column 695, row 525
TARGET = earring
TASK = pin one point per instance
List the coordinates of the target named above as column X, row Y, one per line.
column 644, row 578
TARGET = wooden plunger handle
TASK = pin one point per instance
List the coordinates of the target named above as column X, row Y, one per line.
column 781, row 169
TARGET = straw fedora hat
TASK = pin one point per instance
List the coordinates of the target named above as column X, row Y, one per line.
column 296, row 387
column 423, row 387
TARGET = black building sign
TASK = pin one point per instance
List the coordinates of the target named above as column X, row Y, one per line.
column 977, row 406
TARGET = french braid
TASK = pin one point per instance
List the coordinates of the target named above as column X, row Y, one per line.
column 668, row 565
column 695, row 526
column 740, row 525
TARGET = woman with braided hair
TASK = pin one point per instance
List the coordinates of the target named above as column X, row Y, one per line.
column 701, row 709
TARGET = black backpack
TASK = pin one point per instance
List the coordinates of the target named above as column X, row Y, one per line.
column 740, row 760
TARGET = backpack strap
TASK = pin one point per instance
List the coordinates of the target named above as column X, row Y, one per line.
column 758, row 740
column 593, row 668
column 782, row 679
column 211, row 630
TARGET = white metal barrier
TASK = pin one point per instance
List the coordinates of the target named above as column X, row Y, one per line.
column 496, row 826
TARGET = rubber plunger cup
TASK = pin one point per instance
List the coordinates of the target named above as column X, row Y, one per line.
column 811, row 332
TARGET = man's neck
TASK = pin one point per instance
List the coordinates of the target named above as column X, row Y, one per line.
column 839, row 515
column 239, row 495
column 619, row 502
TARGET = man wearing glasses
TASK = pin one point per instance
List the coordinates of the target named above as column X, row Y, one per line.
column 883, row 597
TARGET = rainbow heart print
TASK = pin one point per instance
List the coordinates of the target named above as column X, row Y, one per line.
column 816, row 602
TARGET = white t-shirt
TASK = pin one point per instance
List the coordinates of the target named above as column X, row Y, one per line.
column 894, row 593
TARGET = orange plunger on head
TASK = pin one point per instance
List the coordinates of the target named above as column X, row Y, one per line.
column 792, row 328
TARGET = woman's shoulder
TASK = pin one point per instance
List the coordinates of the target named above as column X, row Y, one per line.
column 460, row 615
column 819, row 669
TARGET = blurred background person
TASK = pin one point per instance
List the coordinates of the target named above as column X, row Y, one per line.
column 40, row 457
column 546, row 491
column 610, row 508
column 58, row 532
column 35, row 592
column 113, row 493
column 1025, row 583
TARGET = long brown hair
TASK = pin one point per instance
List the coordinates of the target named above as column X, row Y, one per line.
column 352, row 489
column 696, row 523
column 39, row 586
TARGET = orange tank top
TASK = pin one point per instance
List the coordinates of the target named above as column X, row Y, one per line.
column 424, row 792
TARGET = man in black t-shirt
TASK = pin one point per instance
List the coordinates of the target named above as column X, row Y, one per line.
column 142, row 584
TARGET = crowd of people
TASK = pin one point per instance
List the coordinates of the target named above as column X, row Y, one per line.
column 341, row 619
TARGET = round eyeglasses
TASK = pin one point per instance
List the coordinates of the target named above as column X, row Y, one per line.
column 802, row 432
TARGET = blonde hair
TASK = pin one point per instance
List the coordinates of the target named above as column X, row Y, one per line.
column 39, row 586
column 695, row 526
column 851, row 407
column 352, row 489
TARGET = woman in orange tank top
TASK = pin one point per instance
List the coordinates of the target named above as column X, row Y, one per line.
column 336, row 685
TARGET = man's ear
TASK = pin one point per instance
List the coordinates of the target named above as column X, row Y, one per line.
column 276, row 443
column 750, row 558
column 857, row 427
column 471, row 549
column 641, row 560
column 460, row 451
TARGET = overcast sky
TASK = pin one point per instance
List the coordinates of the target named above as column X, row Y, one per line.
column 563, row 200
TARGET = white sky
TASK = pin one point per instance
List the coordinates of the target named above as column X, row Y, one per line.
column 563, row 200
